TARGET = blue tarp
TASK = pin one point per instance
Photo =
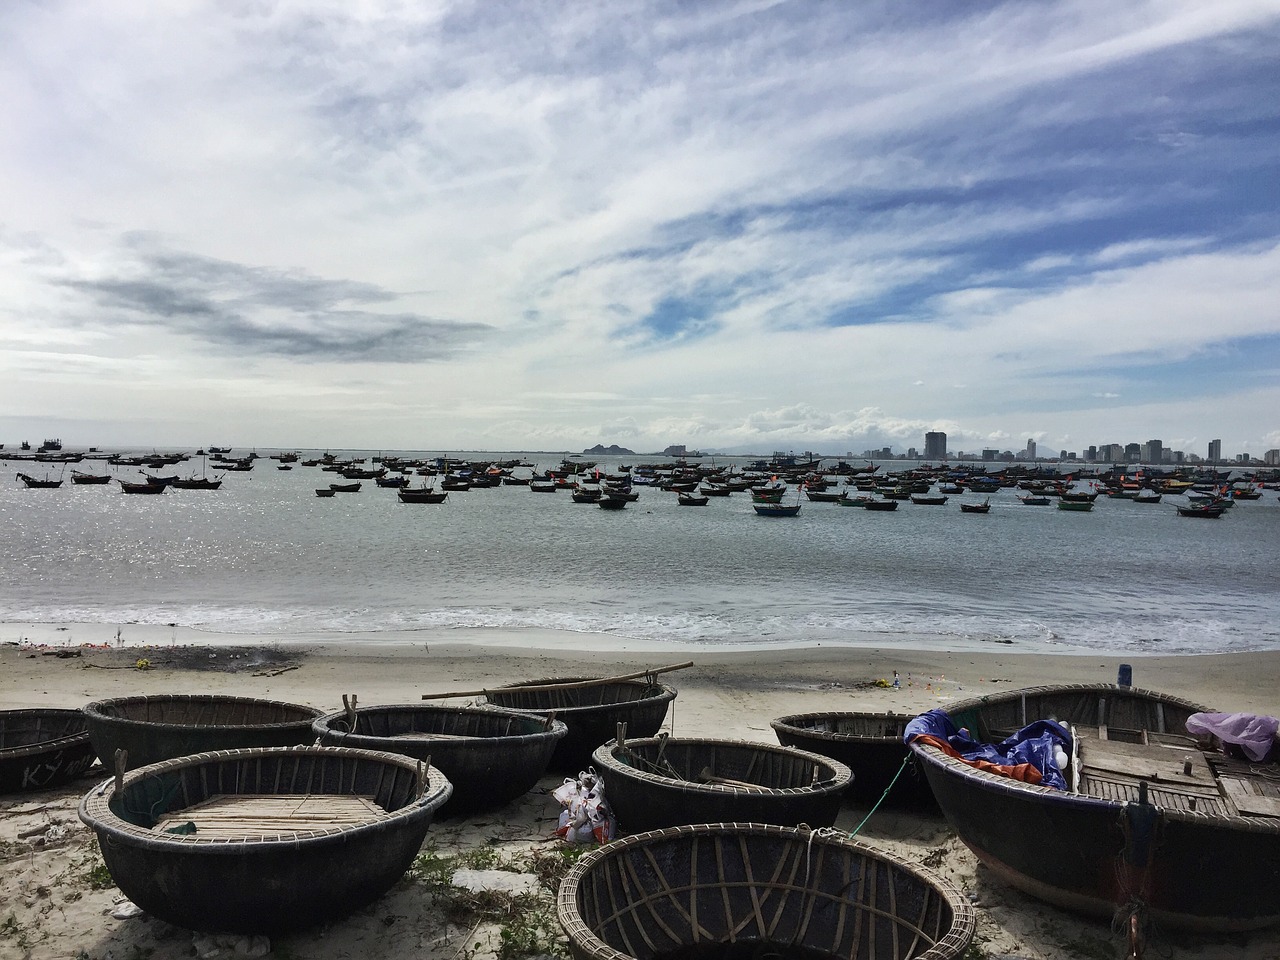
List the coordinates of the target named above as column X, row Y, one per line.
column 1032, row 744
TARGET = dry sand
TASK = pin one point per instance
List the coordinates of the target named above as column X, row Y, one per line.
column 52, row 903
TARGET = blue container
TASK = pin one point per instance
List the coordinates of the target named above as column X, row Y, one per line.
column 1125, row 677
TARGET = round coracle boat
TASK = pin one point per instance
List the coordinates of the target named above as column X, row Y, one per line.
column 156, row 728
column 1147, row 815
column 490, row 756
column 870, row 744
column 590, row 709
column 739, row 890
column 42, row 748
column 659, row 782
column 263, row 840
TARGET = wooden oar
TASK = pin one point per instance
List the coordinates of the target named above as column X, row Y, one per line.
column 563, row 685
column 706, row 776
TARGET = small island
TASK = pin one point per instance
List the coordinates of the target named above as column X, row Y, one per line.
column 613, row 450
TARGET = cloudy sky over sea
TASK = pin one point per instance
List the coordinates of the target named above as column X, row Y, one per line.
column 733, row 225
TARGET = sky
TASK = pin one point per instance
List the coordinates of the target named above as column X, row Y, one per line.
column 738, row 226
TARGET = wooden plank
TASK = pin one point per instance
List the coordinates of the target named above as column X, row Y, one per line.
column 1147, row 763
column 1254, row 806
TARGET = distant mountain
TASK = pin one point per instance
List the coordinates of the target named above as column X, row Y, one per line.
column 613, row 450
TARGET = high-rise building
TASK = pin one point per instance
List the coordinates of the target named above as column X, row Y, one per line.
column 935, row 445
column 1031, row 449
column 1215, row 450
column 1153, row 451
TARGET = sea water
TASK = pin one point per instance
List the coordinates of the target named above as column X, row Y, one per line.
column 265, row 556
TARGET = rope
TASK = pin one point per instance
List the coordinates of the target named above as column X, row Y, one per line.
column 905, row 760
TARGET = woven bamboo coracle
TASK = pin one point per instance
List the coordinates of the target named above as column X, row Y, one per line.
column 490, row 756
column 870, row 744
column 263, row 840
column 591, row 710
column 152, row 729
column 742, row 890
column 42, row 748
column 658, row 782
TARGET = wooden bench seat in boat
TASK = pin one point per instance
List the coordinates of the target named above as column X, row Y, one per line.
column 1178, row 777
column 269, row 816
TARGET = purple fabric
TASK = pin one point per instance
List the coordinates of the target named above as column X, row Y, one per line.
column 1032, row 744
column 1254, row 735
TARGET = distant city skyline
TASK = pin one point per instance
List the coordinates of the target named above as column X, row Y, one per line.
column 1150, row 452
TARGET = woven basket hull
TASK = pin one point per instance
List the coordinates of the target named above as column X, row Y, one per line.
column 42, row 748
column 592, row 714
column 267, row 886
column 869, row 744
column 670, row 891
column 498, row 754
column 654, row 783
column 1205, row 872
column 154, row 729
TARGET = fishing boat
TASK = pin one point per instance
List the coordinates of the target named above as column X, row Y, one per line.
column 345, row 487
column 323, row 492
column 880, row 504
column 736, row 890
column 1143, row 814
column 1078, row 506
column 691, row 499
column 776, row 509
column 83, row 478
column 590, row 707
column 869, row 744
column 195, row 483
column 263, row 840
column 422, row 494
column 1035, row 500
column 158, row 728
column 1148, row 496
column 36, row 483
column 491, row 756
column 860, row 500
column 928, row 500
column 1079, row 496
column 1209, row 511
column 823, row 496
column 983, row 507
column 41, row 748
column 609, row 502
column 658, row 782
column 129, row 486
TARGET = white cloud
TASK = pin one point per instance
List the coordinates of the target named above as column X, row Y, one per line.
column 860, row 223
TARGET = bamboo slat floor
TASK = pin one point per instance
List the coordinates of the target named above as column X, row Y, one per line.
column 250, row 816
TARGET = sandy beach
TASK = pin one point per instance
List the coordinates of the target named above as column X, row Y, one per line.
column 56, row 904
